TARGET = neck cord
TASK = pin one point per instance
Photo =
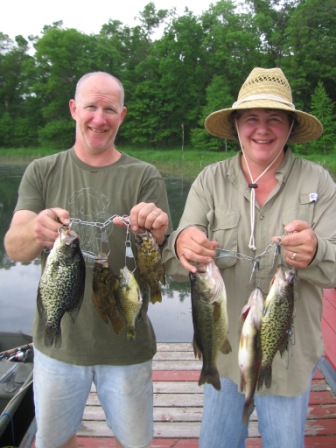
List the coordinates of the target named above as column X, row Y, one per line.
column 253, row 185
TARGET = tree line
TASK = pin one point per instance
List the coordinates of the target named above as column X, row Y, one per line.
column 173, row 82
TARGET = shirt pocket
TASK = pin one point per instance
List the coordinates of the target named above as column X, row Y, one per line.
column 302, row 212
column 223, row 228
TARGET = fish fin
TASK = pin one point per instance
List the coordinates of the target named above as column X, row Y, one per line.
column 265, row 376
column 247, row 410
column 256, row 319
column 73, row 314
column 217, row 311
column 163, row 278
column 245, row 311
column 39, row 303
column 210, row 376
column 197, row 351
column 226, row 347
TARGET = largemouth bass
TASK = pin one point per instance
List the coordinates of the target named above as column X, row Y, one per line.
column 128, row 299
column 151, row 269
column 249, row 353
column 62, row 283
column 210, row 321
column 103, row 287
column 277, row 321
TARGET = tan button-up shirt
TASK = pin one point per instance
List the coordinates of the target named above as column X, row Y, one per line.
column 219, row 204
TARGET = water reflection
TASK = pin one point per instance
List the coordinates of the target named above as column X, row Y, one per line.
column 18, row 281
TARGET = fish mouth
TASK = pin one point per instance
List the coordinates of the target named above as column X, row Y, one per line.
column 66, row 235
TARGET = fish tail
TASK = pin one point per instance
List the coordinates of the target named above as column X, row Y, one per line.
column 117, row 324
column 265, row 376
column 156, row 296
column 131, row 333
column 52, row 336
column 210, row 376
column 247, row 411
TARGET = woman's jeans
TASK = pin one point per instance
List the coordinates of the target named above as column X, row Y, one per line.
column 281, row 420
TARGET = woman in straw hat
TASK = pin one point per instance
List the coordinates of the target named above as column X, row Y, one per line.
column 242, row 204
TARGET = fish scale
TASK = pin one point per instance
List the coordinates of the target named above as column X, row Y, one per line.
column 62, row 283
column 103, row 297
column 128, row 299
column 249, row 353
column 149, row 263
column 277, row 321
column 210, row 321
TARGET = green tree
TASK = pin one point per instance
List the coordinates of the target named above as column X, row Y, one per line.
column 312, row 47
column 16, row 129
column 231, row 43
column 218, row 97
column 322, row 107
column 170, row 87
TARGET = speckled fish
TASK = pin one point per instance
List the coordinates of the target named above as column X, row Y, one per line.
column 62, row 283
column 249, row 352
column 276, row 322
column 103, row 285
column 128, row 299
column 210, row 321
column 151, row 269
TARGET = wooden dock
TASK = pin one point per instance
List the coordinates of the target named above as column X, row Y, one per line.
column 178, row 407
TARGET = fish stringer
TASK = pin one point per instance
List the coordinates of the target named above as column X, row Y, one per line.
column 129, row 255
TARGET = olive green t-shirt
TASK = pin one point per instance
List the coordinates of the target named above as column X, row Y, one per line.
column 92, row 195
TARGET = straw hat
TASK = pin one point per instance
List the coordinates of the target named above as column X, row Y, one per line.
column 265, row 89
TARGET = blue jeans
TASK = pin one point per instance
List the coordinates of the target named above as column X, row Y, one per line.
column 281, row 420
column 61, row 391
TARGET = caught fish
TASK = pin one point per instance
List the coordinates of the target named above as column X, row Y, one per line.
column 249, row 353
column 151, row 269
column 62, row 283
column 128, row 299
column 103, row 285
column 210, row 321
column 276, row 322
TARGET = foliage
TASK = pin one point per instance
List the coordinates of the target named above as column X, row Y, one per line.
column 322, row 108
column 172, row 82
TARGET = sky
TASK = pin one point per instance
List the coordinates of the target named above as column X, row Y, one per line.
column 28, row 17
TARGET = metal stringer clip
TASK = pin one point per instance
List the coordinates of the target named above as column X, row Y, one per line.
column 128, row 245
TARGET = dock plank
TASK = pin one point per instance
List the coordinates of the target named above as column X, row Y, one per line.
column 178, row 403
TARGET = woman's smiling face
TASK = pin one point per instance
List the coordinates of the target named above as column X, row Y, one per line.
column 263, row 133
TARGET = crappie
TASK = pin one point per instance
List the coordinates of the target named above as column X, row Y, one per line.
column 62, row 283
column 103, row 284
column 249, row 353
column 210, row 321
column 276, row 322
column 151, row 269
column 128, row 299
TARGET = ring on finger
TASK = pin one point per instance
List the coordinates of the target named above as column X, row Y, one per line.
column 293, row 256
column 154, row 213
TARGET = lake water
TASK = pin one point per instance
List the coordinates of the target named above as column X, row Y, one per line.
column 18, row 281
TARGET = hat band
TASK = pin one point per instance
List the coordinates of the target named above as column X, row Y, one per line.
column 263, row 96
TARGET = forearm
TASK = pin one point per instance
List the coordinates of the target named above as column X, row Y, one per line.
column 21, row 244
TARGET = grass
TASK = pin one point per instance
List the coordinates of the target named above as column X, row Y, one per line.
column 170, row 162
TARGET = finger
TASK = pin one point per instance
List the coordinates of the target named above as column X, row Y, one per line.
column 59, row 215
column 120, row 222
column 296, row 226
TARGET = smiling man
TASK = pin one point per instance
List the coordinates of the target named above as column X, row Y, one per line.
column 89, row 184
